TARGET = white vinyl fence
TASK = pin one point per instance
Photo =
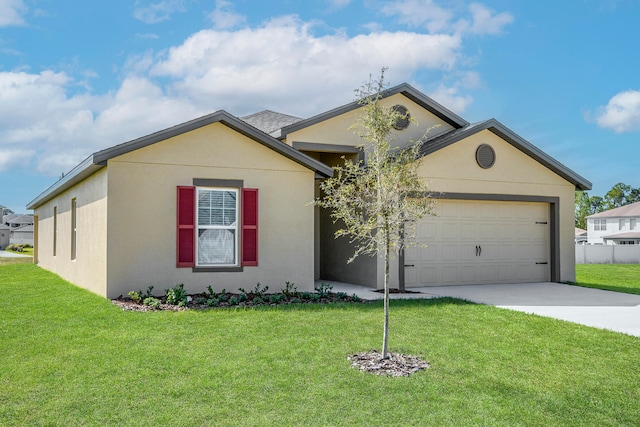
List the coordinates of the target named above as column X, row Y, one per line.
column 607, row 254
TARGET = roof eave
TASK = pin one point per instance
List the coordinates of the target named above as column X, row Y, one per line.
column 85, row 169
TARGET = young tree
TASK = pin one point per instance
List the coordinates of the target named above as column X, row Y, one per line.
column 378, row 202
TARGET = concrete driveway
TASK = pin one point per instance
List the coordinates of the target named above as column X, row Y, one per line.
column 592, row 307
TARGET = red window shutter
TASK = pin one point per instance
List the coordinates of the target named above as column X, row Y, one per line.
column 186, row 221
column 249, row 226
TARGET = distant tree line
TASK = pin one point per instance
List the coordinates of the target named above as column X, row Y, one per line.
column 619, row 195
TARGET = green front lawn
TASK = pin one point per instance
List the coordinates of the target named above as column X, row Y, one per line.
column 17, row 260
column 72, row 358
column 611, row 277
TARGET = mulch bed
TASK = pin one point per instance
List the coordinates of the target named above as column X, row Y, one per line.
column 397, row 365
column 128, row 304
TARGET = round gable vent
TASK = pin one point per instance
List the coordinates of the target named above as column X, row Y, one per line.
column 403, row 122
column 485, row 156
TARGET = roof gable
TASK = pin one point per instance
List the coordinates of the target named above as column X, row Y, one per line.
column 405, row 89
column 439, row 142
column 99, row 159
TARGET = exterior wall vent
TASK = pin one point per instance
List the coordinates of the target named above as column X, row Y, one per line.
column 485, row 156
column 402, row 122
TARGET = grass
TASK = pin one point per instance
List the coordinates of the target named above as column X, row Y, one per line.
column 611, row 277
column 20, row 260
column 72, row 358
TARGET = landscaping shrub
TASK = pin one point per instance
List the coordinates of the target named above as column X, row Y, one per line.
column 177, row 297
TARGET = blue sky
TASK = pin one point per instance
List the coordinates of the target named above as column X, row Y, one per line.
column 80, row 76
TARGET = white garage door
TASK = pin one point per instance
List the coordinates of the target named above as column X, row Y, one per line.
column 473, row 242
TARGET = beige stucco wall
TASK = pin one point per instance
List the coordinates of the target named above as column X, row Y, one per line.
column 88, row 270
column 337, row 129
column 142, row 212
column 454, row 169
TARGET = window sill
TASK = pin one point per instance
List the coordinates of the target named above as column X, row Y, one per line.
column 217, row 269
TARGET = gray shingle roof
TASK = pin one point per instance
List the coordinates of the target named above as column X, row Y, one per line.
column 270, row 122
column 21, row 219
column 632, row 210
column 627, row 235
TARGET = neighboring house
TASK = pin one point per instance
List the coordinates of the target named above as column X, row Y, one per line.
column 224, row 201
column 5, row 232
column 581, row 236
column 20, row 228
column 17, row 220
column 22, row 235
column 618, row 226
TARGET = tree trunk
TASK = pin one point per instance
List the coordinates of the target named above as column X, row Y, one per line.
column 385, row 337
column 401, row 287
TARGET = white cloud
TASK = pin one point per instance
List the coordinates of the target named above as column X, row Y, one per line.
column 14, row 158
column 622, row 112
column 284, row 65
column 484, row 22
column 41, row 125
column 12, row 12
column 428, row 14
column 450, row 98
column 47, row 124
column 418, row 13
column 154, row 13
column 224, row 18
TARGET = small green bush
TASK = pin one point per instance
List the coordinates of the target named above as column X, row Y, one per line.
column 139, row 297
column 135, row 296
column 152, row 302
column 177, row 295
column 324, row 289
column 289, row 290
column 277, row 298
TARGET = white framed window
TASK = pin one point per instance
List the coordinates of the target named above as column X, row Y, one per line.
column 632, row 224
column 600, row 225
column 217, row 226
column 621, row 224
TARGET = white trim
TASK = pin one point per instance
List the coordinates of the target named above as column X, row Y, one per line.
column 235, row 226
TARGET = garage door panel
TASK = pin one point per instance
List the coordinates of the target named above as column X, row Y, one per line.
column 481, row 242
